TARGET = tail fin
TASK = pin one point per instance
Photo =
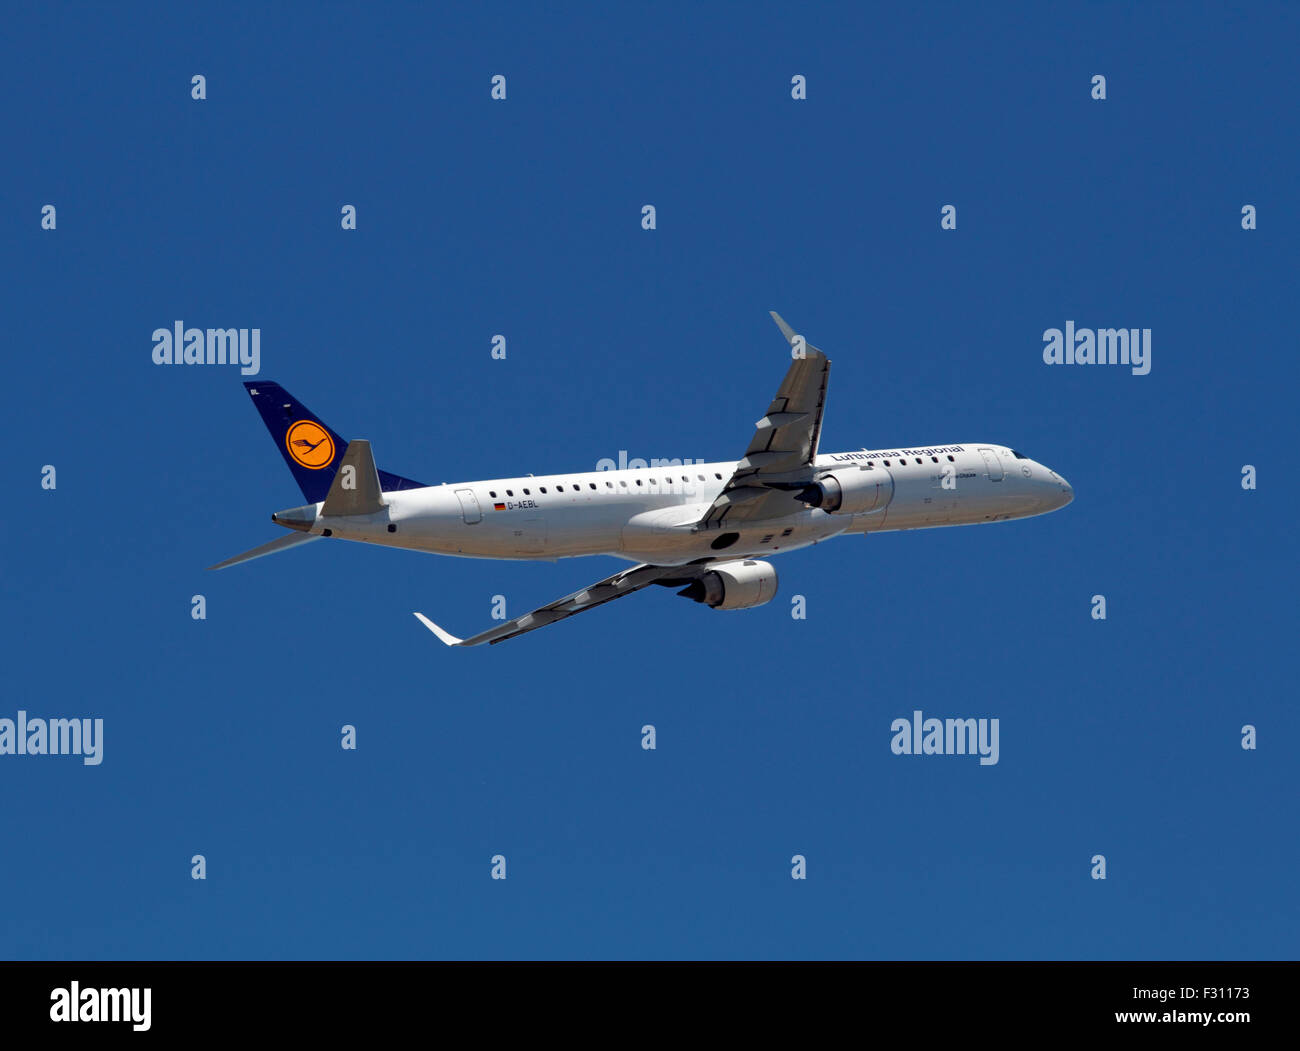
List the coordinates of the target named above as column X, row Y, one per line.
column 309, row 446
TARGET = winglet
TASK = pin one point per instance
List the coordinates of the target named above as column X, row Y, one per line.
column 786, row 330
column 445, row 636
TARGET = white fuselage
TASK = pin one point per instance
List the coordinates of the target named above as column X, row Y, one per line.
column 650, row 514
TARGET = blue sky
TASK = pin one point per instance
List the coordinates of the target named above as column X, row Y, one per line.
column 522, row 217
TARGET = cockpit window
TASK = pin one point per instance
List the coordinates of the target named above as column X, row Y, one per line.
column 1019, row 456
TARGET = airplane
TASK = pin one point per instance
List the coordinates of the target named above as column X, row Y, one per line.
column 704, row 528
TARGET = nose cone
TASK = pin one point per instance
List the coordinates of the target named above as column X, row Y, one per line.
column 1057, row 491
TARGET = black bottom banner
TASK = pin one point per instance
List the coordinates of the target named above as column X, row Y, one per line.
column 150, row 1000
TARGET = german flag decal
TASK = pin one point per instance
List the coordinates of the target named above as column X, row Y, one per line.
column 498, row 507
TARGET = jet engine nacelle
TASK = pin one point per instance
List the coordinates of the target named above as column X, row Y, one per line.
column 851, row 492
column 734, row 585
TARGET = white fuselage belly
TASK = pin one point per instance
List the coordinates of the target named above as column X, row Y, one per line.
column 649, row 514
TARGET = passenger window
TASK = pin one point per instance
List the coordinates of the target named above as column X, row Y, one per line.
column 510, row 492
column 951, row 460
column 609, row 485
column 493, row 494
column 559, row 488
column 592, row 484
column 638, row 481
column 527, row 493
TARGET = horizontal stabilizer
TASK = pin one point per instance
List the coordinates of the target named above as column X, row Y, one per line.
column 281, row 543
column 355, row 489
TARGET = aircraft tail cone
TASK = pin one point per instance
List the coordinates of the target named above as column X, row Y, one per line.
column 299, row 518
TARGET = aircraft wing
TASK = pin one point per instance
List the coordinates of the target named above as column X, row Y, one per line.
column 779, row 460
column 623, row 583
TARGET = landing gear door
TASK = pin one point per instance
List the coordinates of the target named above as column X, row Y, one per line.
column 992, row 463
column 469, row 506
